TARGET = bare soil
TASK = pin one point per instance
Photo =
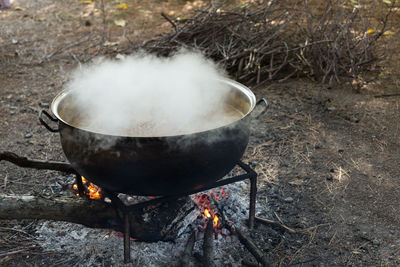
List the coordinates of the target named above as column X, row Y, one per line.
column 328, row 159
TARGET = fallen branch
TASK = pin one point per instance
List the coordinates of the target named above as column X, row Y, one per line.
column 254, row 250
column 387, row 95
column 36, row 164
column 244, row 239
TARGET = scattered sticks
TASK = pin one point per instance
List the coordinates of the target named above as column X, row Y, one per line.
column 36, row 164
column 278, row 39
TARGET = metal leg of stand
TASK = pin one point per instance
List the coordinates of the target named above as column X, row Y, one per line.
column 253, row 194
column 127, row 237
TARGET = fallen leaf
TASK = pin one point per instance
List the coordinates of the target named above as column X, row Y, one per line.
column 18, row 8
column 120, row 22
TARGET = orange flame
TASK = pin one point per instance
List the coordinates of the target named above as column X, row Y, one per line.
column 94, row 190
column 207, row 213
column 216, row 219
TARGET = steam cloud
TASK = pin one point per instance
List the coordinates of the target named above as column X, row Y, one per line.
column 144, row 95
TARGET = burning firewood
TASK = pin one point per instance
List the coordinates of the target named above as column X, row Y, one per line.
column 208, row 244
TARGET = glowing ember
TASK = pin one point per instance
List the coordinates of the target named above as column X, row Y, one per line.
column 216, row 220
column 204, row 201
column 93, row 191
column 207, row 213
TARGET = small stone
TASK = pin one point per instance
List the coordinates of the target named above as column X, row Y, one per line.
column 9, row 96
column 13, row 107
column 354, row 119
column 288, row 200
column 331, row 108
column 13, row 41
column 28, row 135
column 44, row 104
column 12, row 112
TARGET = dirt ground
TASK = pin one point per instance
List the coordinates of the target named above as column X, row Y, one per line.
column 328, row 159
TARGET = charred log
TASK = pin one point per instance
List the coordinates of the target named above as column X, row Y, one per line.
column 92, row 213
column 96, row 213
column 208, row 245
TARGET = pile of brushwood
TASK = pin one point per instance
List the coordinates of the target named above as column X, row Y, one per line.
column 331, row 41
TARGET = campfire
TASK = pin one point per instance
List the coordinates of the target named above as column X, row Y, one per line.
column 146, row 154
column 93, row 208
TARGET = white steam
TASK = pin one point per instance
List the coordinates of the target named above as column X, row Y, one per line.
column 145, row 95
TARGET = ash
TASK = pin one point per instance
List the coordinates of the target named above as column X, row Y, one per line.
column 93, row 247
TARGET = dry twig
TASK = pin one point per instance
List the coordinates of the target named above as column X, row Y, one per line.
column 278, row 39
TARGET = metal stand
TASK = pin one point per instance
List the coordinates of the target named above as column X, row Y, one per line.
column 123, row 210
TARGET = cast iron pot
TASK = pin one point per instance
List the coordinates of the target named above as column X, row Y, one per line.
column 152, row 166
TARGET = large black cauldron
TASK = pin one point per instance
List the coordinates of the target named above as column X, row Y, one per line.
column 155, row 165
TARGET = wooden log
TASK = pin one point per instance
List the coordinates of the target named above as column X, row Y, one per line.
column 208, row 244
column 93, row 213
column 36, row 164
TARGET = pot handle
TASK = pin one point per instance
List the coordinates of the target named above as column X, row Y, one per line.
column 45, row 124
column 262, row 100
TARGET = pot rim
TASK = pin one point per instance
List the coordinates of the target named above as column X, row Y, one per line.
column 244, row 89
